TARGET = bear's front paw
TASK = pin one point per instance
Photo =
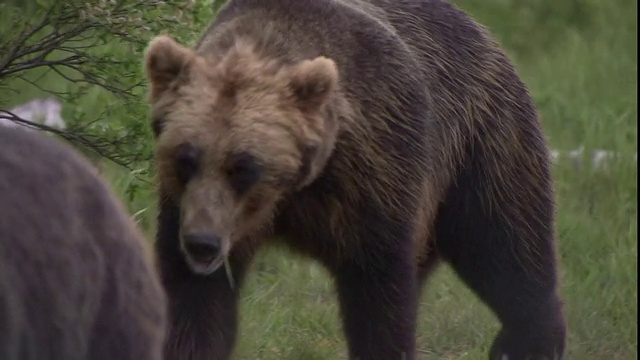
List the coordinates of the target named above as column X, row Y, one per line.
column 545, row 343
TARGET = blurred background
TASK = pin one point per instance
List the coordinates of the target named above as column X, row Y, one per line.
column 74, row 69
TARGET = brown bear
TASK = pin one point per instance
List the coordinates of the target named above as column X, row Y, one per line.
column 77, row 280
column 377, row 137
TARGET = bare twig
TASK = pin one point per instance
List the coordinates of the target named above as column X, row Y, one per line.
column 95, row 144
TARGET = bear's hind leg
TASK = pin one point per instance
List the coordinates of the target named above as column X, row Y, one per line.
column 504, row 251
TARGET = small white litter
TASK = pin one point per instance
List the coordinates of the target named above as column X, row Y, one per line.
column 45, row 111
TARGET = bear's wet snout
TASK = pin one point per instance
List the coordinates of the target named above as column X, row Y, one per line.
column 202, row 247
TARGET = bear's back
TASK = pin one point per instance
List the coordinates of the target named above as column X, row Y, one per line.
column 422, row 69
column 423, row 79
column 365, row 38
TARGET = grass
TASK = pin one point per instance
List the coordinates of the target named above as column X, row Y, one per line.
column 582, row 73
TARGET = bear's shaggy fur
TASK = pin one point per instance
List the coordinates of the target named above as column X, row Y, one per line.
column 77, row 280
column 377, row 137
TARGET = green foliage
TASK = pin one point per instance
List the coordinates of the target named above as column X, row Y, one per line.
column 89, row 55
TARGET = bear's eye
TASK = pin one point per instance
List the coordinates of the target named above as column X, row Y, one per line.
column 186, row 162
column 243, row 171
column 157, row 125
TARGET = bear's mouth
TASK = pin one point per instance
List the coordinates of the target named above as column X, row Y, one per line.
column 204, row 266
column 201, row 253
column 201, row 259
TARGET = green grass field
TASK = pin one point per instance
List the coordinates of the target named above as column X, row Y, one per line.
column 580, row 61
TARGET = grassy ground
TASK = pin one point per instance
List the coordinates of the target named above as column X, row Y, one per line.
column 579, row 60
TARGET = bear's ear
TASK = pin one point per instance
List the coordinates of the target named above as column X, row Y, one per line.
column 312, row 81
column 164, row 61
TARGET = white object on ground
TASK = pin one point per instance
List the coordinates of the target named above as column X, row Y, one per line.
column 599, row 157
column 45, row 111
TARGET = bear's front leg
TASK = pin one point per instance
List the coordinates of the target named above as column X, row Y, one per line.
column 378, row 303
column 202, row 309
column 203, row 318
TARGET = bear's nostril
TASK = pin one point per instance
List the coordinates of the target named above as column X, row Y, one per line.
column 202, row 247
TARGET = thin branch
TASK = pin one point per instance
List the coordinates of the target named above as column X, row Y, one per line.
column 24, row 37
column 78, row 139
column 39, row 87
column 40, row 62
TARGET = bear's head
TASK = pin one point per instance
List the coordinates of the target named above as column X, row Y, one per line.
column 235, row 134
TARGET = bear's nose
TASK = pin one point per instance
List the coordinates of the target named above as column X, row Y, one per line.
column 202, row 246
